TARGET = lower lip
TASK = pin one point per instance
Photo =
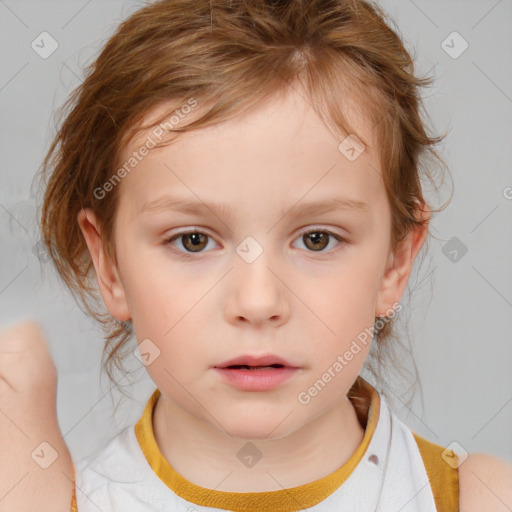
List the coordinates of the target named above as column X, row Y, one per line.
column 256, row 380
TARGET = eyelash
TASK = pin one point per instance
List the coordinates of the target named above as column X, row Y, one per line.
column 189, row 255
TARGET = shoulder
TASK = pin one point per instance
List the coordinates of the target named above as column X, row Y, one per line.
column 485, row 483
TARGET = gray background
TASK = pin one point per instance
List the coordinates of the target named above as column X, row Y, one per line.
column 459, row 311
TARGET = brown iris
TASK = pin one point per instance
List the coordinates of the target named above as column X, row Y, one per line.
column 198, row 241
column 317, row 238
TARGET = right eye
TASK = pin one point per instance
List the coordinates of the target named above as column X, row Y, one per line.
column 192, row 241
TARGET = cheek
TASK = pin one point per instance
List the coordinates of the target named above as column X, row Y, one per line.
column 347, row 292
column 341, row 310
column 162, row 307
column 169, row 310
column 151, row 282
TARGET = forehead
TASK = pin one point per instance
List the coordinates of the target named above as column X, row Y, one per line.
column 278, row 150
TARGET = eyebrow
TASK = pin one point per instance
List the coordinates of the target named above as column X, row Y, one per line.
column 223, row 211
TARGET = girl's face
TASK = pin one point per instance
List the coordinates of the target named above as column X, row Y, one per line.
column 250, row 281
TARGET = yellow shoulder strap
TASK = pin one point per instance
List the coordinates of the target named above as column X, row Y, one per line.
column 73, row 496
column 443, row 476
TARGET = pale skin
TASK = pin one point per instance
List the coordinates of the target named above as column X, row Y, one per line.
column 28, row 417
column 303, row 306
column 299, row 303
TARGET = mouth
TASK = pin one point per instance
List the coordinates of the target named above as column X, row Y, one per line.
column 254, row 362
column 256, row 377
column 246, row 367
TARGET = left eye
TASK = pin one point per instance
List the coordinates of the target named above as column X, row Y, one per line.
column 318, row 239
column 195, row 241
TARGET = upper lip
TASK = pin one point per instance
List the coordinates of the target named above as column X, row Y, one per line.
column 250, row 360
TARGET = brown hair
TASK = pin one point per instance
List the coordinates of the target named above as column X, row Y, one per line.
column 229, row 56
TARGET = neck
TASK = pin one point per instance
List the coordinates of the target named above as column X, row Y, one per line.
column 208, row 457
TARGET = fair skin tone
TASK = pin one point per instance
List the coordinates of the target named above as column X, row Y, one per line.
column 294, row 301
column 33, row 476
column 302, row 305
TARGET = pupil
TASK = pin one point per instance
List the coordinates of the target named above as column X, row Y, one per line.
column 315, row 238
column 194, row 240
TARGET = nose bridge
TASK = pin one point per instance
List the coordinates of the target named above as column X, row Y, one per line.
column 255, row 256
column 257, row 291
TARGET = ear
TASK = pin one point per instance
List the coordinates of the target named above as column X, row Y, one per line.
column 110, row 286
column 400, row 265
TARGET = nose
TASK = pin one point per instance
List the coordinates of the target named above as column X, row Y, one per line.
column 257, row 293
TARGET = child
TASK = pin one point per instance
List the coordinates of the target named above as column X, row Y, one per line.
column 244, row 180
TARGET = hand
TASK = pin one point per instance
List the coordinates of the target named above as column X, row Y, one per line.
column 35, row 463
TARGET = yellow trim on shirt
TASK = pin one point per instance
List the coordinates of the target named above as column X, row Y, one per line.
column 443, row 476
column 285, row 500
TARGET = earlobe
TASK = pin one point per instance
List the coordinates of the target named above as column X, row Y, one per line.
column 399, row 267
column 107, row 274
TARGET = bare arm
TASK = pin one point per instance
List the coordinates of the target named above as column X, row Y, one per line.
column 35, row 463
column 485, row 483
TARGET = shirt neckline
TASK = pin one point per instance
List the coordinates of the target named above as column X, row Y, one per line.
column 284, row 500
